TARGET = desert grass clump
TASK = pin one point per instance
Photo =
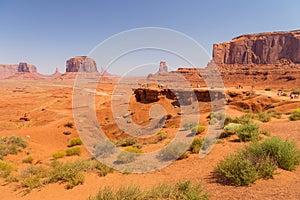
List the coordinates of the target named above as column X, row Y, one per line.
column 248, row 132
column 275, row 114
column 126, row 157
column 296, row 90
column 28, row 159
column 295, row 115
column 196, row 145
column 6, row 168
column 100, row 168
column 69, row 173
column 11, row 145
column 71, row 151
column 75, row 142
column 244, row 119
column 69, row 124
column 198, row 129
column 59, row 154
column 32, row 177
column 182, row 190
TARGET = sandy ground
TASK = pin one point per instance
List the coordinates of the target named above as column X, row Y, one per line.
column 48, row 104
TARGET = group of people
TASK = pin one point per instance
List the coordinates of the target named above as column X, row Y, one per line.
column 294, row 96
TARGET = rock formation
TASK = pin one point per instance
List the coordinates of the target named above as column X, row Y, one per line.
column 261, row 48
column 23, row 67
column 163, row 68
column 81, row 63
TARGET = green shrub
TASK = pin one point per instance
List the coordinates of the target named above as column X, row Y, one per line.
column 275, row 114
column 75, row 142
column 69, row 124
column 67, row 133
column 104, row 149
column 208, row 142
column 101, row 169
column 231, row 129
column 244, row 168
column 29, row 160
column 198, row 129
column 59, row 154
column 6, row 168
column 263, row 117
column 245, row 118
column 295, row 115
column 285, row 153
column 264, row 132
column 126, row 141
column 11, row 145
column 71, row 151
column 189, row 125
column 173, row 151
column 248, row 132
column 196, row 145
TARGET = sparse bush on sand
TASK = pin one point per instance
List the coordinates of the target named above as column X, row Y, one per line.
column 126, row 141
column 67, row 133
column 198, row 129
column 69, row 124
column 295, row 115
column 230, row 129
column 11, row 145
column 248, row 132
column 75, row 142
column 173, row 151
column 189, row 125
column 6, row 168
column 196, row 145
column 28, row 159
column 71, row 151
column 59, row 154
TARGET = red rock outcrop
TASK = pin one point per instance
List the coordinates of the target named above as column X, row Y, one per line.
column 163, row 68
column 261, row 48
column 8, row 70
column 23, row 67
column 82, row 63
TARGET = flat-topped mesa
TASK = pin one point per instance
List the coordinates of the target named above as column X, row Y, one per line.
column 81, row 63
column 262, row 48
column 24, row 67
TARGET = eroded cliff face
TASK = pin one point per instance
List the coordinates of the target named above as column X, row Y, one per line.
column 8, row 70
column 83, row 63
column 262, row 48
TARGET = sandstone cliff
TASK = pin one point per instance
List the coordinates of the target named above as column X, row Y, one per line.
column 8, row 70
column 261, row 48
column 82, row 63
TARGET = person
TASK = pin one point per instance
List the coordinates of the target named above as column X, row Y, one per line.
column 296, row 96
column 291, row 96
column 198, row 85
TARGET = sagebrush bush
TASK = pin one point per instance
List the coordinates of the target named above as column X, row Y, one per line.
column 230, row 129
column 6, row 168
column 100, row 168
column 126, row 157
column 75, row 142
column 173, row 151
column 196, row 145
column 59, row 154
column 246, row 118
column 133, row 150
column 295, row 115
column 275, row 114
column 198, row 129
column 248, row 132
column 71, row 151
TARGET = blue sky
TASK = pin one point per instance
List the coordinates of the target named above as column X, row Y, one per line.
column 47, row 33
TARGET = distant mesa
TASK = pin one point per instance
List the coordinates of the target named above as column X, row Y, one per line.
column 81, row 63
column 261, row 48
column 23, row 67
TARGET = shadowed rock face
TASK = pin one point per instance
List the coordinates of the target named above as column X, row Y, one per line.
column 163, row 68
column 82, row 63
column 23, row 67
column 262, row 48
